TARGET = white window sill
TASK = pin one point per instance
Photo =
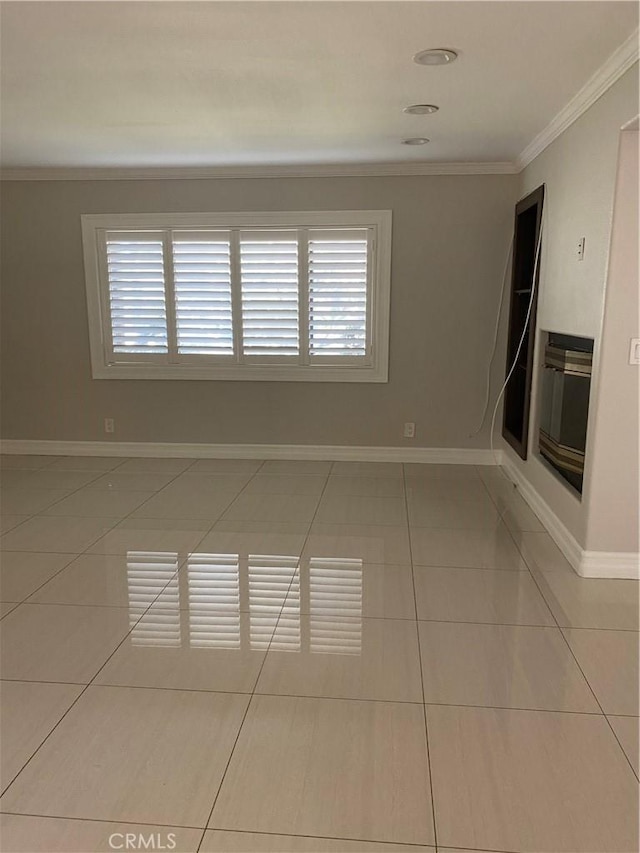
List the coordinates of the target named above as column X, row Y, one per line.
column 243, row 373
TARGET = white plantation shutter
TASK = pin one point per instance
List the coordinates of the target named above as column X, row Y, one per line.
column 137, row 308
column 269, row 287
column 202, row 288
column 338, row 292
column 275, row 296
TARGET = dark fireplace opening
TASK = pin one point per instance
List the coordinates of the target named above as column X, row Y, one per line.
column 564, row 409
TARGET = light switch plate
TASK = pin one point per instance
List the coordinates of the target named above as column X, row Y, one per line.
column 634, row 351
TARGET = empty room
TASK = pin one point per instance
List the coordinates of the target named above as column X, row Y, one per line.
column 320, row 402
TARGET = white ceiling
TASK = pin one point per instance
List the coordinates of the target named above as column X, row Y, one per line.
column 150, row 84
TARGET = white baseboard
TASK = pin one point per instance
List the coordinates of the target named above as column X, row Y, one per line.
column 440, row 455
column 567, row 543
column 588, row 564
column 610, row 564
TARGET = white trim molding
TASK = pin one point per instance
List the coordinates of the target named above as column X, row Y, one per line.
column 202, row 173
column 324, row 452
column 615, row 66
column 610, row 564
column 371, row 229
column 565, row 540
column 588, row 564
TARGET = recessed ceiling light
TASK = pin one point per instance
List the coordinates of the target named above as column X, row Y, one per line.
column 436, row 56
column 415, row 140
column 421, row 109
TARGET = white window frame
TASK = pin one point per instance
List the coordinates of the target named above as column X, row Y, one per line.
column 374, row 368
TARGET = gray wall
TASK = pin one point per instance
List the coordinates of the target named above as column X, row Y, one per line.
column 579, row 171
column 450, row 237
column 612, row 483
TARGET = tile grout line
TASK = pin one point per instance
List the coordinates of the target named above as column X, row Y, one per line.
column 55, row 503
column 178, row 474
column 407, row 844
column 132, row 627
column 123, row 518
column 129, row 632
column 264, row 660
column 98, row 476
column 323, row 697
column 571, row 652
column 181, row 564
column 19, row 524
column 515, row 491
column 101, row 820
column 424, row 706
column 25, row 600
column 85, row 686
column 344, row 618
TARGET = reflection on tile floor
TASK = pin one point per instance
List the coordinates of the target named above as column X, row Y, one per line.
column 230, row 655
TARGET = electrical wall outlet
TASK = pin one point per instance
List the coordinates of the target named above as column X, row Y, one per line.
column 634, row 351
column 109, row 425
column 580, row 249
column 409, row 430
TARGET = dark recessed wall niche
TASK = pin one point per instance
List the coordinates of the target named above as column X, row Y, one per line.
column 517, row 398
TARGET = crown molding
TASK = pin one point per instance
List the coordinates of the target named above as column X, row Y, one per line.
column 615, row 66
column 325, row 170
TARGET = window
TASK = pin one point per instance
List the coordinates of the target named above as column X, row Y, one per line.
column 273, row 296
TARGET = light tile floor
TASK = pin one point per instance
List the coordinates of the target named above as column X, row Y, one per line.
column 299, row 657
